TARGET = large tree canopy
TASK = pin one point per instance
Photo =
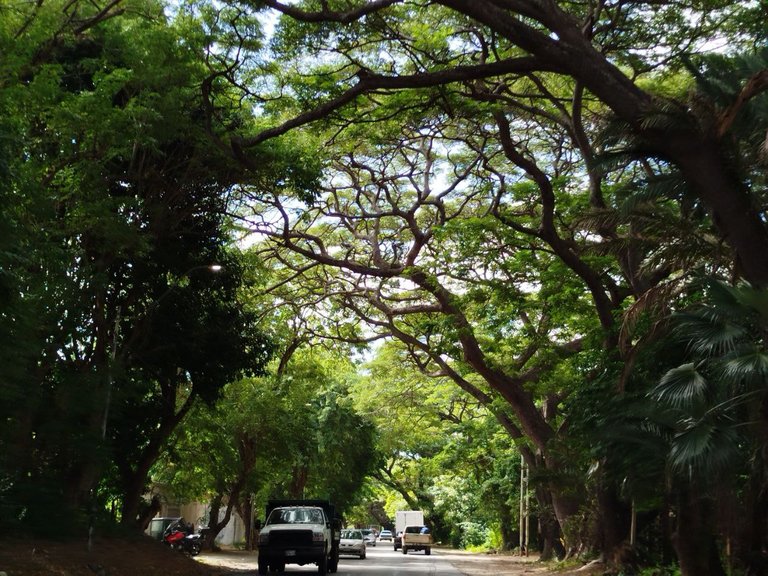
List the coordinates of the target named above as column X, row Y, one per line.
column 117, row 205
column 515, row 192
column 514, row 187
column 514, row 54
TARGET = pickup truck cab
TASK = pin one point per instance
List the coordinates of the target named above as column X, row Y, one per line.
column 416, row 538
column 299, row 532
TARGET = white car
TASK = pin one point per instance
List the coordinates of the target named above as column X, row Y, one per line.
column 369, row 535
column 352, row 543
column 385, row 535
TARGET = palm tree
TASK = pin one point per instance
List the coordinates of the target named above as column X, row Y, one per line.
column 714, row 411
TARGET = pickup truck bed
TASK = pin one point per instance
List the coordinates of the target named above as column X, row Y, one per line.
column 414, row 539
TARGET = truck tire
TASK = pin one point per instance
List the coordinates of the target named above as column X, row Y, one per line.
column 262, row 566
column 427, row 551
column 322, row 566
column 333, row 564
column 278, row 567
column 405, row 549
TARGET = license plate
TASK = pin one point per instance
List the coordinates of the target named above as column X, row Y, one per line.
column 290, row 552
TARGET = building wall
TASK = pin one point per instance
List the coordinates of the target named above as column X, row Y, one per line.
column 233, row 533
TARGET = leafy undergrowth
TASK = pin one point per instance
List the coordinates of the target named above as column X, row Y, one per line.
column 138, row 556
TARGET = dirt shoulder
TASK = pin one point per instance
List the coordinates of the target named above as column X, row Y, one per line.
column 493, row 564
column 137, row 556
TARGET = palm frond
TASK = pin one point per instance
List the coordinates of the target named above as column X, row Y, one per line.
column 716, row 397
column 708, row 332
column 654, row 303
column 750, row 365
column 707, row 447
column 661, row 187
column 752, row 299
column 683, row 387
column 667, row 115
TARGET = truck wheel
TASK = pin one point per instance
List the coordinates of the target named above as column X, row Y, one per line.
column 405, row 549
column 322, row 566
column 333, row 565
column 427, row 551
column 278, row 567
column 262, row 566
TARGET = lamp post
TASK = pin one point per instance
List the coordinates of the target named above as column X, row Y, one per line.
column 115, row 334
column 179, row 282
column 110, row 375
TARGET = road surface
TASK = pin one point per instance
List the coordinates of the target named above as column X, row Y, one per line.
column 382, row 560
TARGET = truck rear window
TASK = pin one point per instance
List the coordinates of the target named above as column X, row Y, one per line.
column 296, row 516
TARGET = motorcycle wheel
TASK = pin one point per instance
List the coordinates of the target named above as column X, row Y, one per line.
column 195, row 548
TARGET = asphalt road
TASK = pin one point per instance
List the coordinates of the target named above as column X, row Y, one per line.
column 381, row 560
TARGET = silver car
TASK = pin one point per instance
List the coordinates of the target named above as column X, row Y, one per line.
column 352, row 543
column 369, row 535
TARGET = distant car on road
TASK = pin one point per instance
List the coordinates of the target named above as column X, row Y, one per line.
column 352, row 543
column 385, row 535
column 369, row 535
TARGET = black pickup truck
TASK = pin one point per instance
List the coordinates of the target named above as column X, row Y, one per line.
column 299, row 532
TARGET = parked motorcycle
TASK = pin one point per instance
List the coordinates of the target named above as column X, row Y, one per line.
column 181, row 536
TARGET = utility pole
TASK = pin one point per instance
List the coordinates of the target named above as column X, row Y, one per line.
column 525, row 523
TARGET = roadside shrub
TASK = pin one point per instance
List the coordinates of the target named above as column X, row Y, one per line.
column 473, row 534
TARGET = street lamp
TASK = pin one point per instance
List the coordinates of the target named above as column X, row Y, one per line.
column 180, row 282
column 115, row 333
column 113, row 357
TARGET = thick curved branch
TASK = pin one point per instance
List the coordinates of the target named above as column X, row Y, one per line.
column 548, row 229
column 369, row 82
column 330, row 15
column 755, row 86
column 447, row 370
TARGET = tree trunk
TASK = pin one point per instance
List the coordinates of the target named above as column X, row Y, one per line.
column 507, row 533
column 693, row 539
column 149, row 512
column 549, row 528
column 612, row 522
column 751, row 540
column 134, row 480
column 298, row 482
column 244, row 508
column 215, row 526
column 728, row 200
column 213, row 521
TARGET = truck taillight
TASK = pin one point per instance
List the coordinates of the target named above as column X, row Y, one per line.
column 317, row 536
